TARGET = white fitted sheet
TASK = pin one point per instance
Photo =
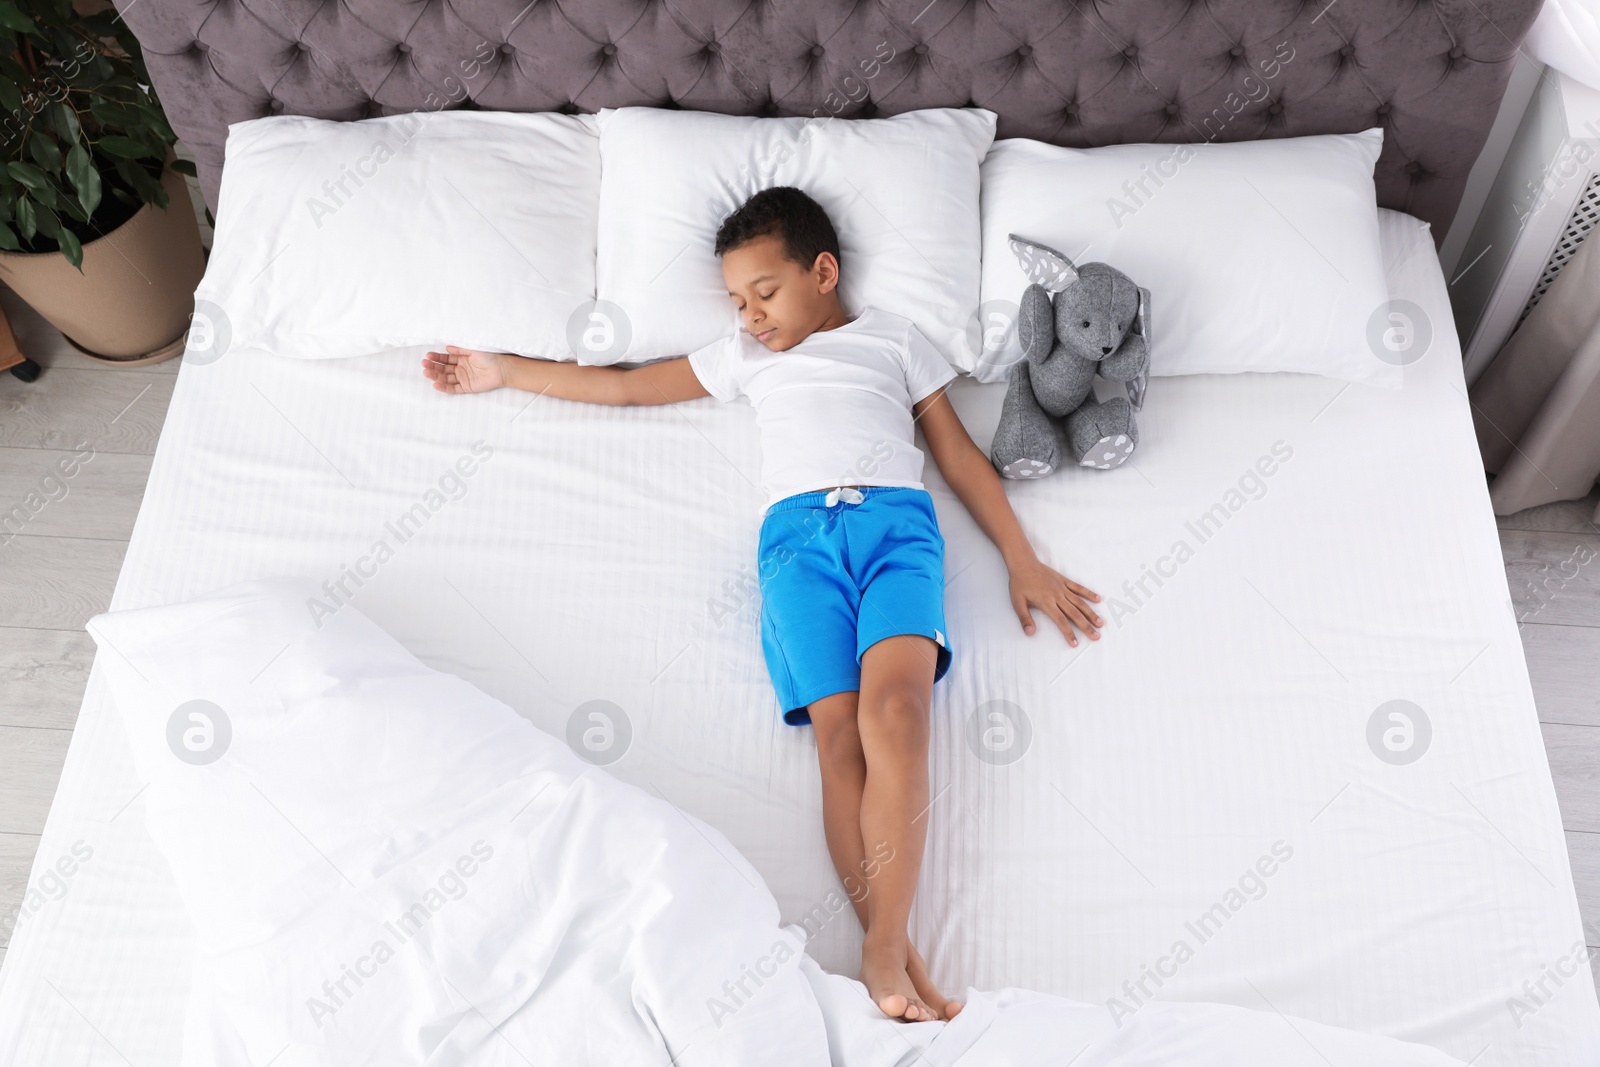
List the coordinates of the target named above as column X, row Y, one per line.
column 1224, row 713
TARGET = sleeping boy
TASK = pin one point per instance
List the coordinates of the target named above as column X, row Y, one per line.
column 852, row 563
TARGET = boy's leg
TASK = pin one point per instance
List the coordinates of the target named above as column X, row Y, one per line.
column 892, row 713
column 844, row 777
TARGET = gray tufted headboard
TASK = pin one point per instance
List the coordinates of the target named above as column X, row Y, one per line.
column 1069, row 71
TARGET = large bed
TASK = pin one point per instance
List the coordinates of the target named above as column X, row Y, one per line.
column 600, row 555
column 1285, row 557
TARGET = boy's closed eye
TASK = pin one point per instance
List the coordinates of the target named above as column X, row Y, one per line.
column 739, row 301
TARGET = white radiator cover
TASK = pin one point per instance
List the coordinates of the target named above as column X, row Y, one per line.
column 1544, row 202
column 1585, row 215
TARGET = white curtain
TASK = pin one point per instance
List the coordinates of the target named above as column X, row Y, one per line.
column 1567, row 37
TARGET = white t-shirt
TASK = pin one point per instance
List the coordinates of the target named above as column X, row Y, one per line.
column 836, row 408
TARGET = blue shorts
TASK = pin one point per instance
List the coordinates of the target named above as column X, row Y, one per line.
column 837, row 580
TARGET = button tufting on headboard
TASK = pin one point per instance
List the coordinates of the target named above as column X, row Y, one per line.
column 1166, row 70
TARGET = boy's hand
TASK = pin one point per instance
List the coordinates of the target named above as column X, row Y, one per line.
column 1034, row 585
column 465, row 370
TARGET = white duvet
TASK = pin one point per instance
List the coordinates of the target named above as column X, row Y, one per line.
column 384, row 865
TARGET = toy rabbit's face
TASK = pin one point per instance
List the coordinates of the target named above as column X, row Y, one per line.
column 1095, row 313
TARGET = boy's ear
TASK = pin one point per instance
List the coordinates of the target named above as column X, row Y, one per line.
column 826, row 268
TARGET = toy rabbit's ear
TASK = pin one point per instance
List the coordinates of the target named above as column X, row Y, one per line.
column 1042, row 264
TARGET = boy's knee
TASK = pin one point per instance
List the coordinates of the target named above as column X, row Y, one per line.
column 838, row 735
column 840, row 752
column 900, row 713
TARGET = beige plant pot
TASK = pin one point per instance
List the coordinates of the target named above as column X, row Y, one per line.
column 131, row 303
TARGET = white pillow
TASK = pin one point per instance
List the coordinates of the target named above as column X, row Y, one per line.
column 1258, row 255
column 342, row 238
column 902, row 193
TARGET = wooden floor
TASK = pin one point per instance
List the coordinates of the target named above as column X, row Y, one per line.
column 62, row 567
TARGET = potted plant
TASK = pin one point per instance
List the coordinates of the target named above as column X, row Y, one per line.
column 96, row 227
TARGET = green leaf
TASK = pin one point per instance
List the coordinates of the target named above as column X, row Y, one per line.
column 65, row 121
column 10, row 95
column 28, row 175
column 44, row 151
column 113, row 113
column 46, row 196
column 91, row 73
column 13, row 19
column 157, row 120
column 84, row 177
column 62, row 41
column 118, row 145
column 185, row 166
column 8, row 239
column 27, row 221
column 48, row 224
column 148, row 189
column 84, row 76
column 71, row 248
column 79, row 165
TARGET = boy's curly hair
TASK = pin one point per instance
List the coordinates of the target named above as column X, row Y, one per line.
column 786, row 213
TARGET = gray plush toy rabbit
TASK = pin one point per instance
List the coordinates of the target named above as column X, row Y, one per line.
column 1074, row 322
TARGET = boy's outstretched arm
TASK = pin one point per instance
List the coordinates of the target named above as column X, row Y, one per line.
column 467, row 370
column 972, row 476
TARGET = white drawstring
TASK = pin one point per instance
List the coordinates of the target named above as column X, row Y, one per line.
column 845, row 493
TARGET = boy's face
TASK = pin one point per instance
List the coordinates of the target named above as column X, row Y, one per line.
column 781, row 302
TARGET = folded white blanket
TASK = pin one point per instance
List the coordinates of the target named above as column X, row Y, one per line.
column 385, row 865
column 1021, row 1028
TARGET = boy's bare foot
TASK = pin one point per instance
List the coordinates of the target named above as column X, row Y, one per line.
column 917, row 971
column 883, row 972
